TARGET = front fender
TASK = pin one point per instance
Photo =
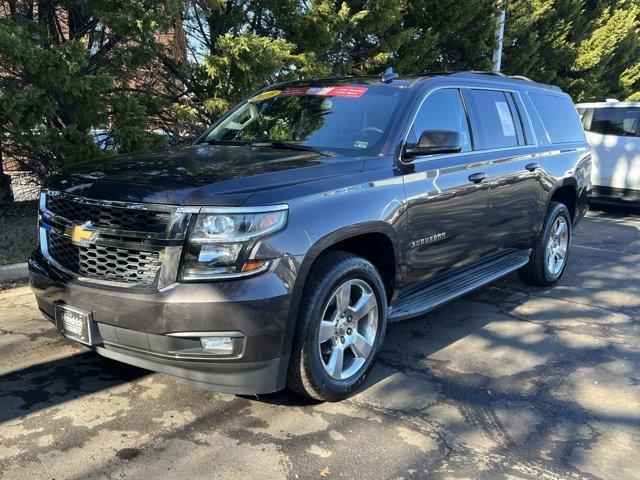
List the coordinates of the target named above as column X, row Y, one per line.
column 337, row 209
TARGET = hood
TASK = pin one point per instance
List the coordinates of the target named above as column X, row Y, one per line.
column 199, row 174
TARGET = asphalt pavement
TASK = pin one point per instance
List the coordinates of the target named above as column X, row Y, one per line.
column 508, row 382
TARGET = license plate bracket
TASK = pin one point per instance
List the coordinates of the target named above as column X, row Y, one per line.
column 74, row 323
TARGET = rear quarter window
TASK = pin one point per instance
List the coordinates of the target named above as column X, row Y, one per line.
column 559, row 117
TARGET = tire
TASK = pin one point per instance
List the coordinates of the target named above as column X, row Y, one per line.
column 539, row 271
column 320, row 320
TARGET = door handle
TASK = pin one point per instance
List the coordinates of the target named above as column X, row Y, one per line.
column 532, row 166
column 477, row 177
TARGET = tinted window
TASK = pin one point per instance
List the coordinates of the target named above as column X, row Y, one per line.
column 442, row 110
column 352, row 119
column 616, row 121
column 496, row 119
column 559, row 117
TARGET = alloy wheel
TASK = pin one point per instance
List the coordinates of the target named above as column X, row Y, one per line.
column 348, row 329
column 557, row 246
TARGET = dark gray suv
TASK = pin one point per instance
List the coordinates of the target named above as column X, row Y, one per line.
column 274, row 250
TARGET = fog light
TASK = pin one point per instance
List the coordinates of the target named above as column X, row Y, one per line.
column 217, row 345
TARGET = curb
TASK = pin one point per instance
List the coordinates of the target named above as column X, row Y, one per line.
column 14, row 273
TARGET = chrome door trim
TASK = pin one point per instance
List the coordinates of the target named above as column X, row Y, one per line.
column 466, row 86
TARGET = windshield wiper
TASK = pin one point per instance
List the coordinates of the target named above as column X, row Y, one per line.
column 291, row 146
column 227, row 142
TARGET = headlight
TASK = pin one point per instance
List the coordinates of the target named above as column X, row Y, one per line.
column 221, row 239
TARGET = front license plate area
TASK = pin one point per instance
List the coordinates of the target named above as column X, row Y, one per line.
column 74, row 323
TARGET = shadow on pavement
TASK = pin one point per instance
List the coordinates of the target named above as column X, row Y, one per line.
column 46, row 385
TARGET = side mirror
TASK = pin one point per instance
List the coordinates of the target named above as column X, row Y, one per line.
column 435, row 141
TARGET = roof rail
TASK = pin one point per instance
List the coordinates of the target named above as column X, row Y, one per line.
column 485, row 72
column 521, row 77
column 499, row 74
column 435, row 73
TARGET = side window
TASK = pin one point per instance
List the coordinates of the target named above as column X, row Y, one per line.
column 559, row 116
column 623, row 122
column 442, row 110
column 498, row 124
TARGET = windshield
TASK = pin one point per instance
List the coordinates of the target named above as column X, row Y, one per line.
column 345, row 118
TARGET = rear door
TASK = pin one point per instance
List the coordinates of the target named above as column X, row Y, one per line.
column 446, row 208
column 516, row 198
column 614, row 135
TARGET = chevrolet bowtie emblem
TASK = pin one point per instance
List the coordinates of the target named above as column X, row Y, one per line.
column 81, row 234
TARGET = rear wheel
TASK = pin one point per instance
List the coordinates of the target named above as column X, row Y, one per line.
column 551, row 250
column 341, row 326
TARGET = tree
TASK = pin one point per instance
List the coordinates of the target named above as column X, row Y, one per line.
column 68, row 67
column 449, row 35
column 588, row 47
column 76, row 75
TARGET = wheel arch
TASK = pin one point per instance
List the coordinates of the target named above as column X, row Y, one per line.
column 346, row 239
column 567, row 194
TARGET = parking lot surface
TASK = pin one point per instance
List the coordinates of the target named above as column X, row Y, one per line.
column 508, row 382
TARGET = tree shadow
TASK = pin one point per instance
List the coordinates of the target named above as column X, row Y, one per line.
column 482, row 356
column 45, row 385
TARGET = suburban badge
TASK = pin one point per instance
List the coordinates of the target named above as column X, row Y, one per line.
column 430, row 239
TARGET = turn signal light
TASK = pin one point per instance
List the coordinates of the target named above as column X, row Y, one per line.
column 254, row 265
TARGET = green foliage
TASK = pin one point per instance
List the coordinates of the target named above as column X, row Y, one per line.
column 246, row 62
column 590, row 48
column 59, row 79
column 130, row 129
column 129, row 68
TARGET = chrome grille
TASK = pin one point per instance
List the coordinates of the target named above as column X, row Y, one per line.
column 108, row 216
column 104, row 262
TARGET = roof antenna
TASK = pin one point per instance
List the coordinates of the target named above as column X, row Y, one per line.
column 389, row 75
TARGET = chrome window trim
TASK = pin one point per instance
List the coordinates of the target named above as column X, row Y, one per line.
column 461, row 87
column 530, row 152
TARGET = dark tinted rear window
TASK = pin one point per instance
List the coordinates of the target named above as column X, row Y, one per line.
column 496, row 120
column 559, row 117
column 623, row 122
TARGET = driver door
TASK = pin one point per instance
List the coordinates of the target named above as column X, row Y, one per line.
column 447, row 194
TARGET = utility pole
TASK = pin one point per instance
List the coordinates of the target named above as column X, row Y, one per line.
column 497, row 53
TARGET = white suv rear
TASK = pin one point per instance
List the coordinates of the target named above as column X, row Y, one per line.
column 613, row 132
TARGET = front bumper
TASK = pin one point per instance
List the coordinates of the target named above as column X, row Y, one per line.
column 135, row 327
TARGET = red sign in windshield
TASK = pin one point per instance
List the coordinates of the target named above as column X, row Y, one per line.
column 335, row 91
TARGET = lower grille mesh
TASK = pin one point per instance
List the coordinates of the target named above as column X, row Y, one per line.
column 105, row 262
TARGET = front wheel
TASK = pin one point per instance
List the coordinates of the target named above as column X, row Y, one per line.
column 341, row 326
column 551, row 250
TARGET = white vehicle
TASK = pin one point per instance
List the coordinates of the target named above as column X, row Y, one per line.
column 613, row 132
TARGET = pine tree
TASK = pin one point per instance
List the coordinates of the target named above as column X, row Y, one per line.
column 589, row 48
column 67, row 68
